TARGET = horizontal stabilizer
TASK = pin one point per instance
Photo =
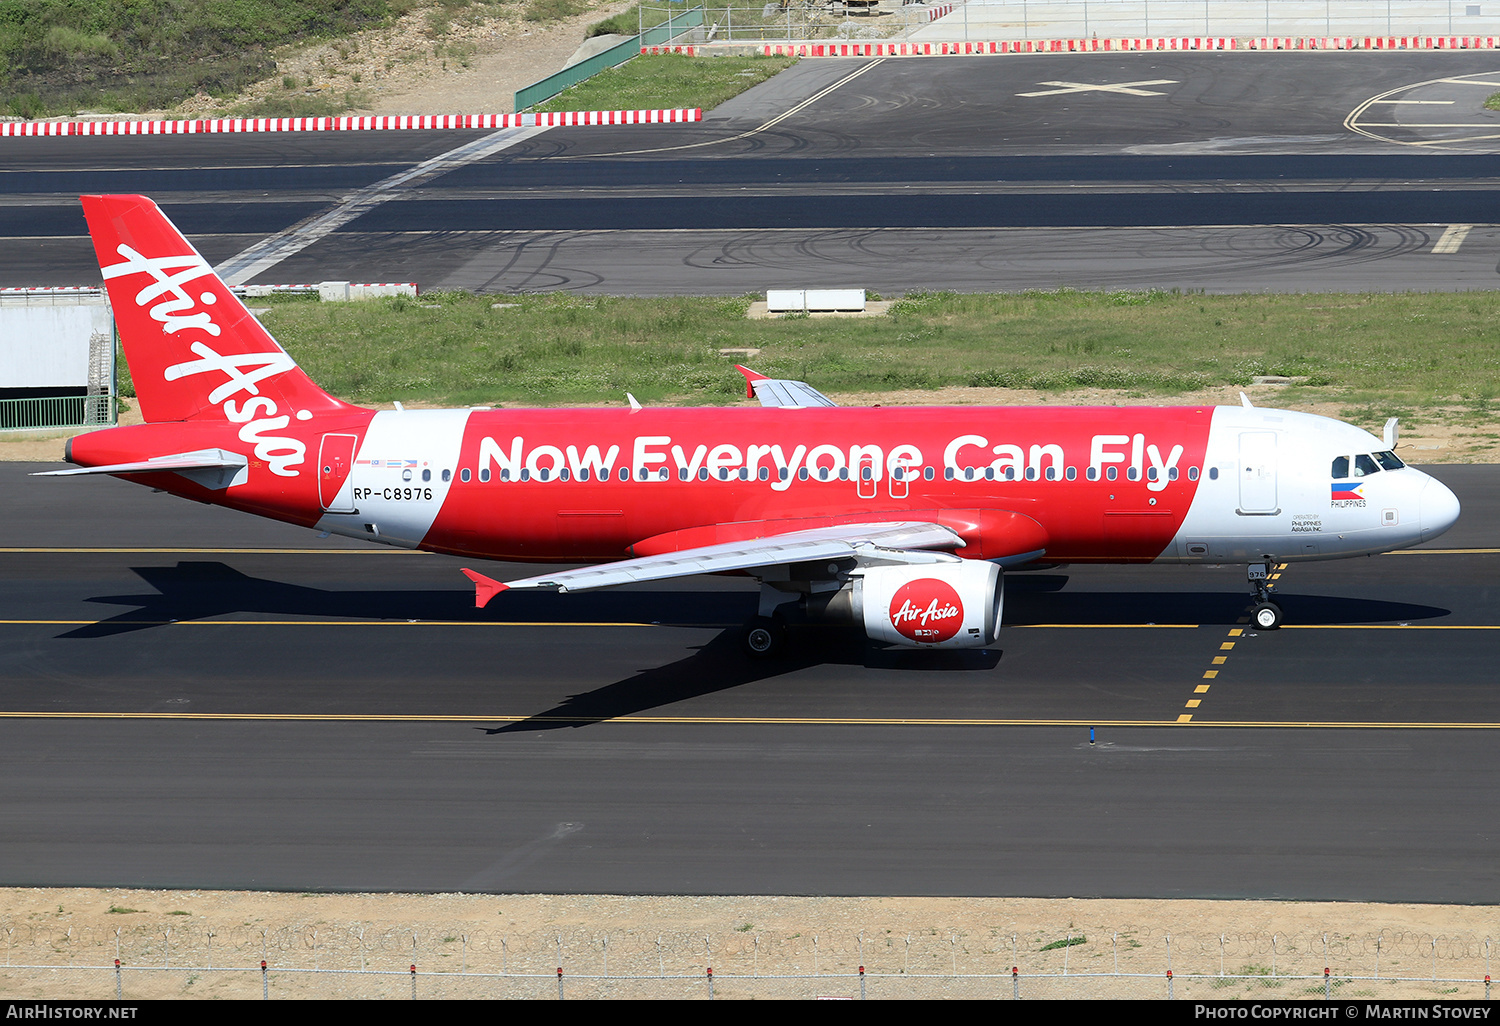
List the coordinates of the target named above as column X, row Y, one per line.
column 212, row 468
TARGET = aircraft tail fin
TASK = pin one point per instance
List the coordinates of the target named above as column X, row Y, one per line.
column 194, row 351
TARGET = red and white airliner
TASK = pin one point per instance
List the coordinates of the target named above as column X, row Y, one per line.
column 902, row 520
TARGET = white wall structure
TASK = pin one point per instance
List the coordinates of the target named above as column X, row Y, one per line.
column 48, row 346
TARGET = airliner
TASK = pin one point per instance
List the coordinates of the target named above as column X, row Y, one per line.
column 902, row 520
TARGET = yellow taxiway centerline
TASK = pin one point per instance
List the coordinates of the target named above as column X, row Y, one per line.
column 768, row 721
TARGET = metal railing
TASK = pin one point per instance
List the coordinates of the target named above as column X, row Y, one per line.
column 71, row 411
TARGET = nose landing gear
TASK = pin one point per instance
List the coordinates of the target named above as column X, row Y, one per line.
column 1266, row 615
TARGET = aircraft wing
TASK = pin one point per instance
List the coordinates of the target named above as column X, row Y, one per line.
column 782, row 391
column 866, row 543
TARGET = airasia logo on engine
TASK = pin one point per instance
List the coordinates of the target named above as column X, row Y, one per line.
column 927, row 610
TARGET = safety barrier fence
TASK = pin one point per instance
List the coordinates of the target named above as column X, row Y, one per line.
column 387, row 123
column 19, row 293
column 433, row 959
column 32, row 414
column 544, row 89
column 1136, row 45
column 267, row 982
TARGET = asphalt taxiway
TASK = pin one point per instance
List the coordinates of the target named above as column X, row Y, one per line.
column 194, row 698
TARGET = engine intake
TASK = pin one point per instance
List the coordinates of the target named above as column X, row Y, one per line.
column 945, row 605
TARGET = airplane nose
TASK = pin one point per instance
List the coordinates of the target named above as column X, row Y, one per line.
column 1439, row 509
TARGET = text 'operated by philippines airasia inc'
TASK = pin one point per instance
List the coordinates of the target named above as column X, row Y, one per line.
column 901, row 520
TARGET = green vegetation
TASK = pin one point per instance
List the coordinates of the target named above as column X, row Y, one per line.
column 668, row 81
column 62, row 56
column 1374, row 355
column 629, row 23
column 1066, row 942
column 1492, row 102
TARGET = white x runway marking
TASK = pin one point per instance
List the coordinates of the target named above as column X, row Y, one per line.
column 1129, row 88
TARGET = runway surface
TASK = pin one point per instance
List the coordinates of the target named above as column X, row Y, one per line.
column 194, row 698
column 1213, row 171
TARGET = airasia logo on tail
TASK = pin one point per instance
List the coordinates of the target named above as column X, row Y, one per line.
column 927, row 610
column 167, row 300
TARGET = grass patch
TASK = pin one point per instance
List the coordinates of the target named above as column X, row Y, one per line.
column 551, row 10
column 62, row 56
column 1371, row 353
column 1492, row 102
column 668, row 81
column 309, row 104
column 1066, row 942
column 631, row 22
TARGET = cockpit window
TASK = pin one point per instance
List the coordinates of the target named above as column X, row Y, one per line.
column 1365, row 466
column 1340, row 467
column 1389, row 460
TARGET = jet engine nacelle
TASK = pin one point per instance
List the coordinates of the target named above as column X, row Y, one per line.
column 943, row 605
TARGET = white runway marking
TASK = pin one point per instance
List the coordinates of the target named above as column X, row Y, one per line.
column 1127, row 88
column 269, row 252
column 1452, row 238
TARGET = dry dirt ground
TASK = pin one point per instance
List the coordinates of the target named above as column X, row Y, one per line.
column 474, row 67
column 1429, row 948
column 477, row 69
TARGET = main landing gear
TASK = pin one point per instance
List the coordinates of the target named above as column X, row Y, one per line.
column 764, row 637
column 1266, row 615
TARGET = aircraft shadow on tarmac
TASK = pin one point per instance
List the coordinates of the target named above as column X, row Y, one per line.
column 719, row 665
column 193, row 590
column 1039, row 599
column 202, row 590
